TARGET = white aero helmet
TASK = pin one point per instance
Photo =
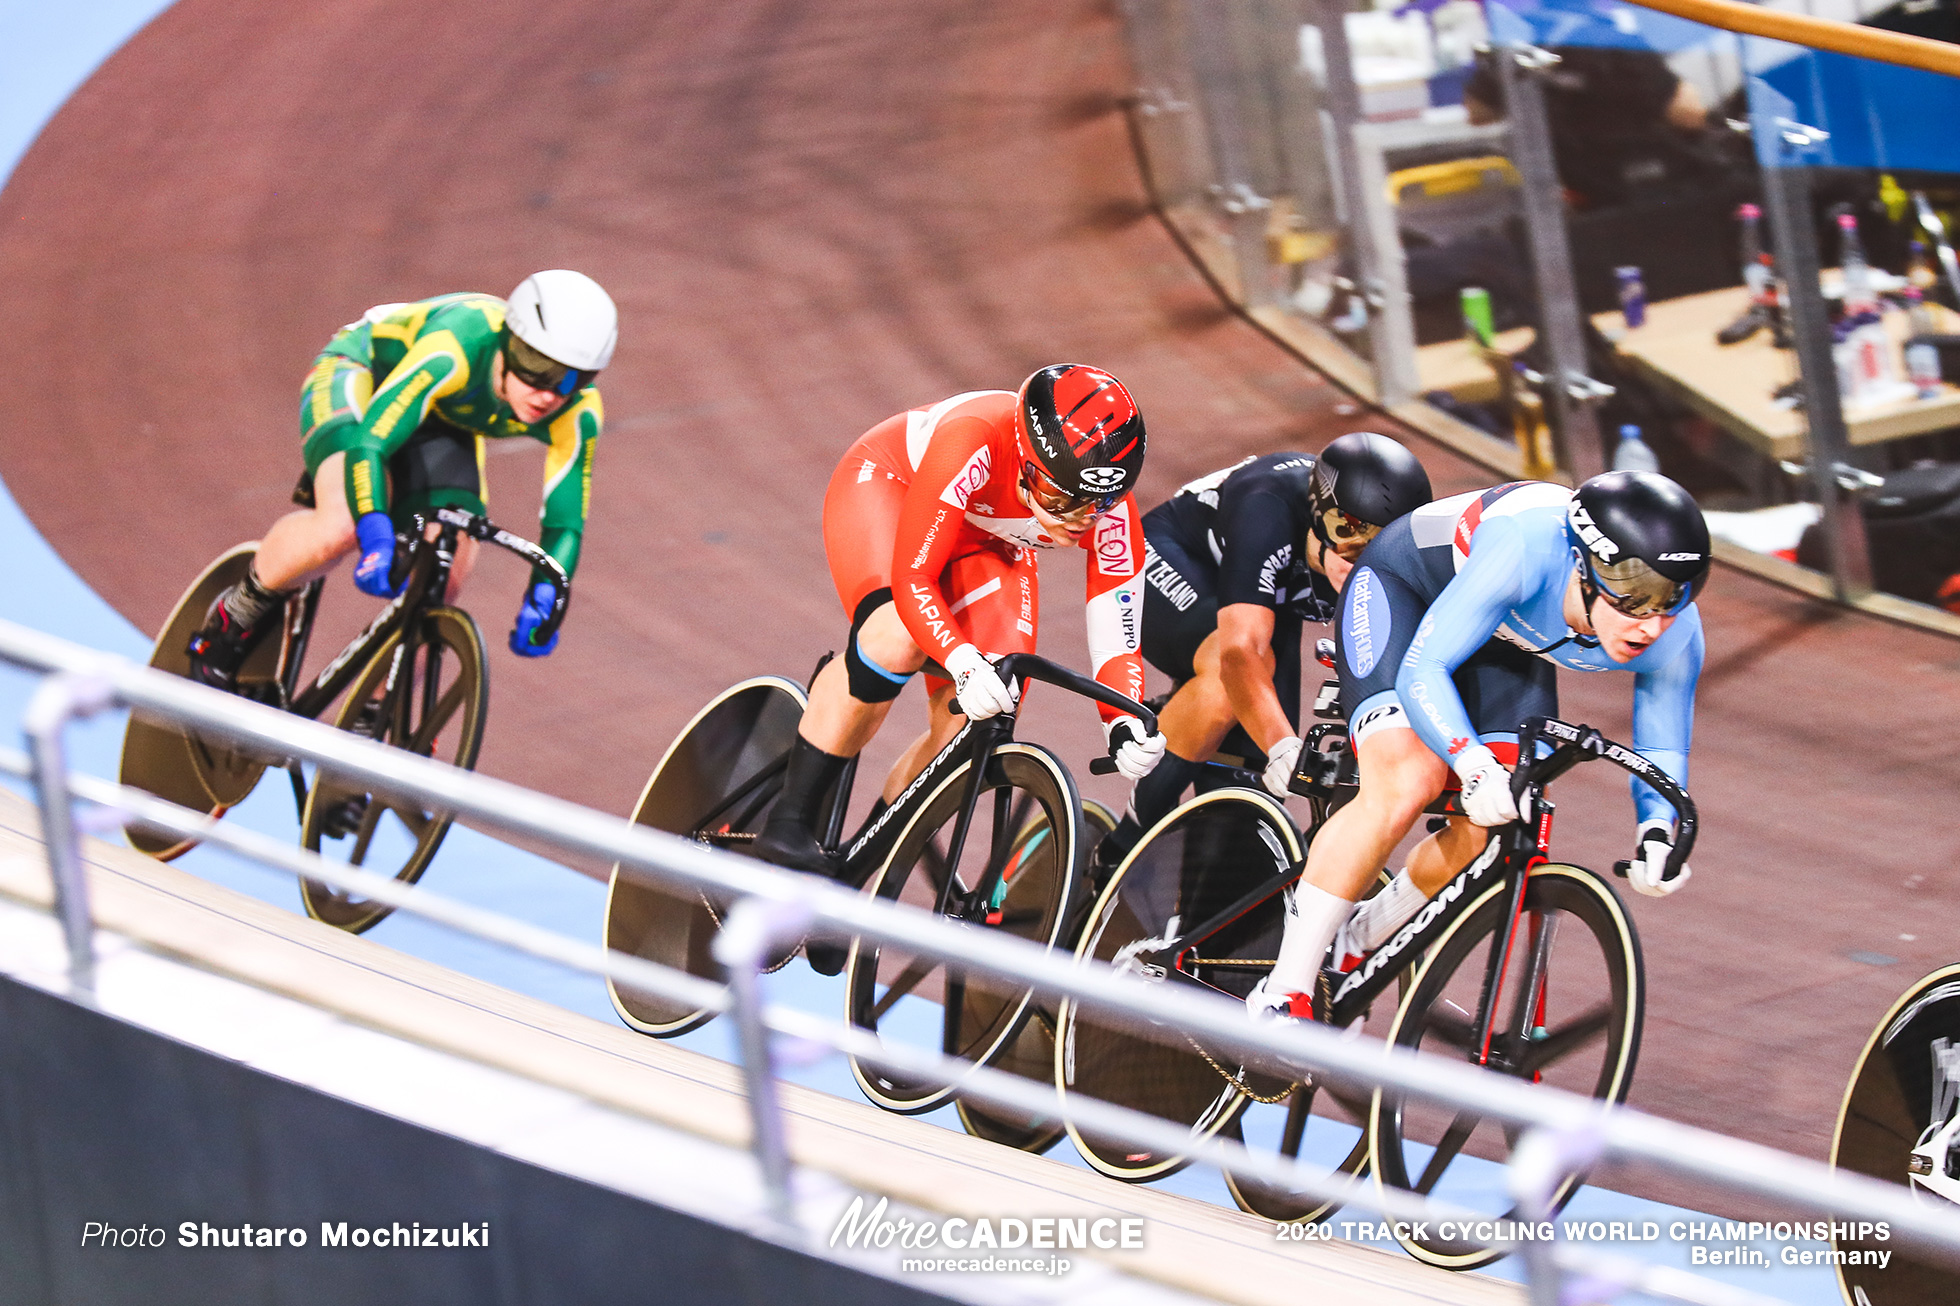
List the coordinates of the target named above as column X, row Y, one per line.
column 570, row 327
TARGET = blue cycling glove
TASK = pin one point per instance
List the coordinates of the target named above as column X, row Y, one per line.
column 534, row 613
column 377, row 536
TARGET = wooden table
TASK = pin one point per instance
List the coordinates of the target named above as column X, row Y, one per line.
column 1732, row 384
column 1455, row 366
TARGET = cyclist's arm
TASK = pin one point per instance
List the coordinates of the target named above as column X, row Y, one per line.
column 1245, row 641
column 1461, row 620
column 435, row 366
column 1258, row 551
column 568, row 478
column 1115, row 602
column 958, row 463
column 1664, row 716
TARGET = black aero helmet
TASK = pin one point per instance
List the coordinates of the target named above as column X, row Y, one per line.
column 1640, row 541
column 1362, row 482
column 1081, row 438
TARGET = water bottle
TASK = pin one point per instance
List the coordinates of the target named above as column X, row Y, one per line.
column 1860, row 300
column 1922, row 355
column 1757, row 267
column 1633, row 455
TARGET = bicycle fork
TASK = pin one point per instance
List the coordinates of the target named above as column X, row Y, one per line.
column 1531, row 847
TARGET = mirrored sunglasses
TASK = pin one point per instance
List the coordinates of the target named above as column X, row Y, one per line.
column 1634, row 589
column 1350, row 535
column 541, row 373
column 1069, row 509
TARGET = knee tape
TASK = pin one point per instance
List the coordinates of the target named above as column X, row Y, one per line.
column 870, row 683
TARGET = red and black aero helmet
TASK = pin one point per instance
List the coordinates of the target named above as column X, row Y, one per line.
column 1080, row 432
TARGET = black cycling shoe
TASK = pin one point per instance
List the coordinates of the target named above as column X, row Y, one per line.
column 790, row 844
column 1111, row 849
column 220, row 647
column 826, row 958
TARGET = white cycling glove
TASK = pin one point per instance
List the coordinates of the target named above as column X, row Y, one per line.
column 981, row 691
column 1282, row 759
column 1136, row 752
column 1655, row 842
column 1486, row 786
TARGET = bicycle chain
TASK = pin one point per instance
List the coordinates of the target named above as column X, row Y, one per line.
column 1239, row 1083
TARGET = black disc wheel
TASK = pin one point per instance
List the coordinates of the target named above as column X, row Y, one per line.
column 426, row 691
column 1566, row 1012
column 1898, row 1125
column 1321, row 1125
column 999, row 880
column 179, row 765
column 1197, row 903
column 1032, row 1053
column 715, row 784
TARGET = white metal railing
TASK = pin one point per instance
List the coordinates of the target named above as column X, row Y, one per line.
column 1565, row 1133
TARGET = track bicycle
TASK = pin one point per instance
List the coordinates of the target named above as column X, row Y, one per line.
column 990, row 832
column 1198, row 902
column 1900, row 1123
column 415, row 678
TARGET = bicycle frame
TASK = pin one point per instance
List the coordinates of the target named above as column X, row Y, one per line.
column 1507, row 857
column 976, row 741
column 430, row 561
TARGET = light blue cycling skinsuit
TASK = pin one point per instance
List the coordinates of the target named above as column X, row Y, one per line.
column 1453, row 622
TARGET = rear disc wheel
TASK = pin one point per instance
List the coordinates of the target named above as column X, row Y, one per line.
column 715, row 784
column 1904, row 1091
column 177, row 764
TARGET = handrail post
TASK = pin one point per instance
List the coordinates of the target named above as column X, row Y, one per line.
column 1545, row 1159
column 753, row 928
column 60, row 699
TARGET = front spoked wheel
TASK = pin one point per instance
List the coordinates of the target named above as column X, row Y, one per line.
column 716, row 784
column 1215, row 865
column 1032, row 1053
column 426, row 691
column 1903, row 1099
column 1566, row 1012
column 1000, row 881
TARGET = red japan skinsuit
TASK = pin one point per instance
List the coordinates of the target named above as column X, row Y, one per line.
column 925, row 504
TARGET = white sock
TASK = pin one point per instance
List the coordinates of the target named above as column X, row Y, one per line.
column 1375, row 921
column 1312, row 917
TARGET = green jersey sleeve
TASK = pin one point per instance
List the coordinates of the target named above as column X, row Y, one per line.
column 436, row 365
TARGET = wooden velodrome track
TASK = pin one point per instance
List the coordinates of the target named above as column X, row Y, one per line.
column 814, row 216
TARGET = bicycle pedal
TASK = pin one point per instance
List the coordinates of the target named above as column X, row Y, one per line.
column 345, row 817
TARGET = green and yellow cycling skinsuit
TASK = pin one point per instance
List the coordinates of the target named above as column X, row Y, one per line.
column 406, row 391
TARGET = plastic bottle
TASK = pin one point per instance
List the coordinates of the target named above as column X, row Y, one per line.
column 1756, row 266
column 1922, row 355
column 1920, row 272
column 1860, row 301
column 1633, row 454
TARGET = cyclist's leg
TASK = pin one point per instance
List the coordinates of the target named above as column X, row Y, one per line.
column 1380, row 612
column 998, row 603
column 1500, row 686
column 441, row 466
column 301, row 543
column 853, row 694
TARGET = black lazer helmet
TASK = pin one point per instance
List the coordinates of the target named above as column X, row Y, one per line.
column 1640, row 542
column 1361, row 483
